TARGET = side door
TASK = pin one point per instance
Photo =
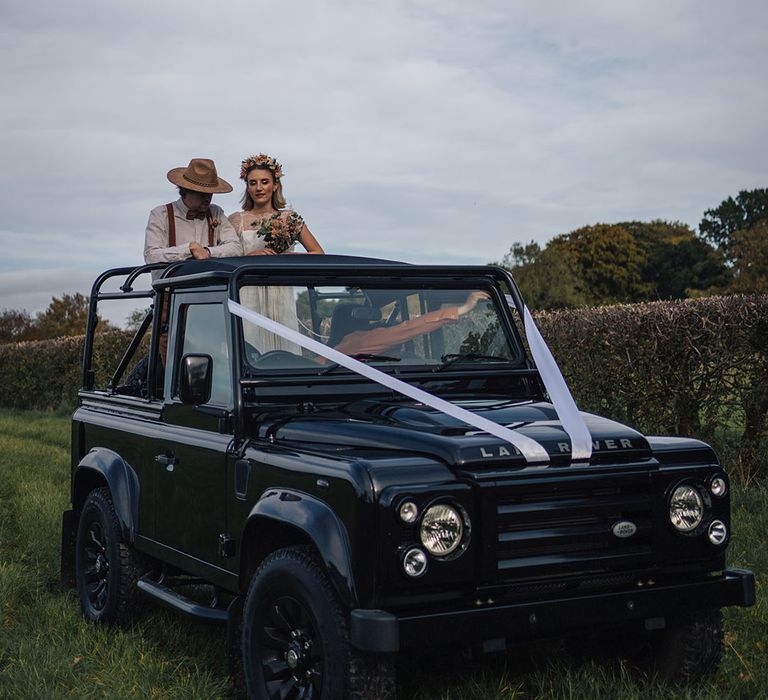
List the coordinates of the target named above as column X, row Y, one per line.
column 190, row 452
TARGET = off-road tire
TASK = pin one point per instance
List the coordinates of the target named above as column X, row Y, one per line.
column 690, row 648
column 106, row 566
column 290, row 586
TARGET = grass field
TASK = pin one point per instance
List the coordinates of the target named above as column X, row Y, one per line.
column 48, row 651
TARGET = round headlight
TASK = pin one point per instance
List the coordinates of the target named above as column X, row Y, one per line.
column 717, row 532
column 717, row 486
column 414, row 562
column 686, row 508
column 441, row 530
column 409, row 512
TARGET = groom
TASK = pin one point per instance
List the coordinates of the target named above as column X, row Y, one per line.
column 191, row 227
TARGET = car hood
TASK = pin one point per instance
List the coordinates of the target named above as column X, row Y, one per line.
column 404, row 425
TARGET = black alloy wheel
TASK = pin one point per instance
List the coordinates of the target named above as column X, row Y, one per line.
column 107, row 567
column 291, row 650
column 96, row 565
column 295, row 637
column 294, row 645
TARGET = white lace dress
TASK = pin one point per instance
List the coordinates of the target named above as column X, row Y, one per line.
column 277, row 303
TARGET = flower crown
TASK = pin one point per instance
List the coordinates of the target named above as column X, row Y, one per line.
column 261, row 161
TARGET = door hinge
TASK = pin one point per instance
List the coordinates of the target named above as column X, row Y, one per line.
column 226, row 546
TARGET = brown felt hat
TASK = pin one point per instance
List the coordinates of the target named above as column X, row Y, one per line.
column 200, row 176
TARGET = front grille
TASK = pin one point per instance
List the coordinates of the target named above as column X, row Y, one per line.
column 550, row 529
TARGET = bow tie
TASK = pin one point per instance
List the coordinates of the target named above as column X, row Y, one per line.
column 195, row 215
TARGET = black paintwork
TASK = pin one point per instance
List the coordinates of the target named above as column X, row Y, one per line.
column 211, row 490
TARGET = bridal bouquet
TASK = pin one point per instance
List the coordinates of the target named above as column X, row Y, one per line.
column 279, row 233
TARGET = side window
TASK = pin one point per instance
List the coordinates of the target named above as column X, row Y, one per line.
column 205, row 332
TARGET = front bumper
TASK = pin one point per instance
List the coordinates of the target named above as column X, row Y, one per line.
column 384, row 632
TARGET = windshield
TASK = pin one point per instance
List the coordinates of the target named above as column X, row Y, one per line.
column 407, row 328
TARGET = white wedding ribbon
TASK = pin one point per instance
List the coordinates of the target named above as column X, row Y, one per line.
column 561, row 397
column 531, row 450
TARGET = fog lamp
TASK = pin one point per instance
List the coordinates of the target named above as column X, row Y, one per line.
column 441, row 529
column 718, row 486
column 686, row 508
column 414, row 562
column 717, row 532
column 409, row 511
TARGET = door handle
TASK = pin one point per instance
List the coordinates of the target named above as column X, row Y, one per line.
column 168, row 460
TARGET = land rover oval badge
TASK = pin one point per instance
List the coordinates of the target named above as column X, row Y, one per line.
column 624, row 529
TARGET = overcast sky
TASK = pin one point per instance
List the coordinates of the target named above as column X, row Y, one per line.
column 423, row 130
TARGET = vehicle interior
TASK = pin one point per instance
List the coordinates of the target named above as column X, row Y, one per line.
column 412, row 327
column 386, row 321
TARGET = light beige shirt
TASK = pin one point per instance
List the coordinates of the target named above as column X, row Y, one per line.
column 156, row 248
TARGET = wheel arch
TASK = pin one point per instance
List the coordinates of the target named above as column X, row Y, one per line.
column 285, row 518
column 103, row 467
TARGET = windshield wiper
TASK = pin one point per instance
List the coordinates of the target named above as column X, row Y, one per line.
column 454, row 357
column 363, row 357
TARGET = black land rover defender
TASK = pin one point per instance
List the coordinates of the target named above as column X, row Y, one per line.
column 336, row 520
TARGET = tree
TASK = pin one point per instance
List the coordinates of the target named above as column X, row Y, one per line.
column 750, row 250
column 134, row 319
column 688, row 268
column 66, row 315
column 16, row 326
column 677, row 263
column 624, row 262
column 720, row 225
column 546, row 279
column 607, row 261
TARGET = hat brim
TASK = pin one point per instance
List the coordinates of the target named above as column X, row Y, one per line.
column 176, row 176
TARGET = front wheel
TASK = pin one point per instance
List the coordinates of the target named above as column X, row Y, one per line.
column 295, row 641
column 107, row 567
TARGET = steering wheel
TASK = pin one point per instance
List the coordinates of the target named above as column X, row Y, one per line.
column 281, row 359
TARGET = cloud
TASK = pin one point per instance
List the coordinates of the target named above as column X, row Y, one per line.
column 29, row 289
column 419, row 130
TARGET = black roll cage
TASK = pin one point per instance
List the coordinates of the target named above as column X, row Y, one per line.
column 234, row 273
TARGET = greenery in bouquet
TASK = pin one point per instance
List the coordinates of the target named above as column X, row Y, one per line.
column 279, row 233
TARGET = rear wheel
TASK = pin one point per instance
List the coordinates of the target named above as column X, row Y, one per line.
column 295, row 641
column 107, row 567
column 690, row 648
column 685, row 652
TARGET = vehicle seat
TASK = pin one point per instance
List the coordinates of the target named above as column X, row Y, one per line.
column 348, row 318
column 136, row 381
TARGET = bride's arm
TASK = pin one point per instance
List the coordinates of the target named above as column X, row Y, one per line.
column 310, row 242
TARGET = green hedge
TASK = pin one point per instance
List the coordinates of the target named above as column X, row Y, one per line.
column 696, row 367
column 46, row 374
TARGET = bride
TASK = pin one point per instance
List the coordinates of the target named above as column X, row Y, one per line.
column 266, row 227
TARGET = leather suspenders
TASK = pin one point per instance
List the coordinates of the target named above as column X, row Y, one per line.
column 172, row 227
column 209, row 219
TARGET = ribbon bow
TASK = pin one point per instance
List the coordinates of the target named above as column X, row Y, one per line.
column 195, row 215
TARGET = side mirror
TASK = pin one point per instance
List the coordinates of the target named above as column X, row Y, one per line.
column 195, row 375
